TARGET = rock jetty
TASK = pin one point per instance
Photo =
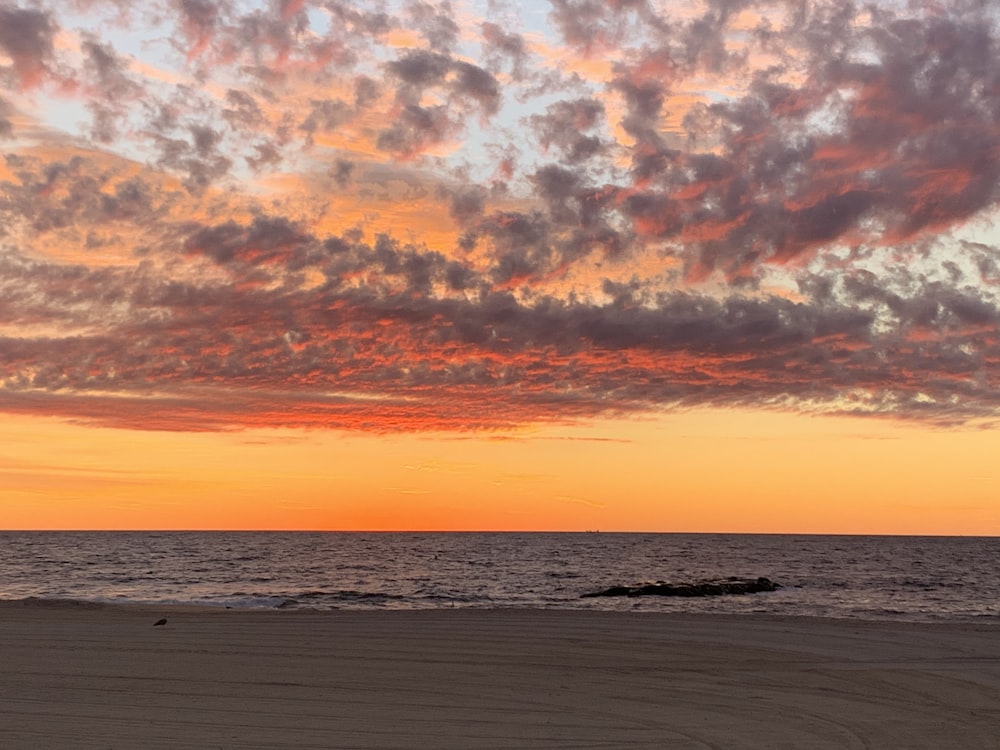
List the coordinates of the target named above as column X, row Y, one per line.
column 727, row 586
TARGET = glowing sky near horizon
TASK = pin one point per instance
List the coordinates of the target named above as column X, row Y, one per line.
column 631, row 264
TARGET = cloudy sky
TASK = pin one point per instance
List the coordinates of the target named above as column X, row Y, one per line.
column 575, row 264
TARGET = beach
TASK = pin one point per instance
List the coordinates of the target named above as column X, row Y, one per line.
column 81, row 676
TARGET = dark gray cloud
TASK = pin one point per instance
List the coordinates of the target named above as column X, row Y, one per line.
column 360, row 21
column 501, row 45
column 242, row 110
column 6, row 126
column 266, row 240
column 419, row 70
column 592, row 24
column 196, row 156
column 203, row 14
column 472, row 82
column 326, row 116
column 76, row 194
column 435, row 24
column 366, row 91
column 200, row 21
column 416, row 129
column 109, row 71
column 341, row 172
column 467, row 204
column 568, row 126
column 26, row 36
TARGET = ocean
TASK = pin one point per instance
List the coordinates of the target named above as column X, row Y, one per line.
column 852, row 577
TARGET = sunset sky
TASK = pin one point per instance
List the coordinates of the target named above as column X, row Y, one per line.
column 577, row 264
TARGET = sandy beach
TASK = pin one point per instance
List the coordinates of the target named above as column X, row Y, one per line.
column 90, row 676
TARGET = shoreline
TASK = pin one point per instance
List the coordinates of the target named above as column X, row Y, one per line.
column 67, row 603
column 101, row 676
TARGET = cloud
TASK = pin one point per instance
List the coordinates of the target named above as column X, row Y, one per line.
column 323, row 214
column 26, row 37
column 500, row 45
column 436, row 25
column 418, row 127
column 565, row 125
column 199, row 20
column 6, row 126
column 415, row 130
column 326, row 115
column 403, row 351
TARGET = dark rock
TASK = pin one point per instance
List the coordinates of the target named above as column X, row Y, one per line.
column 729, row 586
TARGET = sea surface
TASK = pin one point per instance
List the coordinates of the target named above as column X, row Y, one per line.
column 854, row 577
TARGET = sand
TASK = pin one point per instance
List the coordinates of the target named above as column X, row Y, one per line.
column 83, row 677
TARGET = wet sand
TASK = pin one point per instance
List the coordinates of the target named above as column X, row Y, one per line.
column 88, row 676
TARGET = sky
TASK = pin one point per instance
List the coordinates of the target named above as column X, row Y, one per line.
column 623, row 265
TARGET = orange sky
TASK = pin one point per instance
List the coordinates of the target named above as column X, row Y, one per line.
column 703, row 470
column 472, row 265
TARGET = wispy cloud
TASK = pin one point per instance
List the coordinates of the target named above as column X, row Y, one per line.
column 580, row 501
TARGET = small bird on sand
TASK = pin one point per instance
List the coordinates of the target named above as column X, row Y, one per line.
column 161, row 621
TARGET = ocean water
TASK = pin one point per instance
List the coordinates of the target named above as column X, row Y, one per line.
column 855, row 577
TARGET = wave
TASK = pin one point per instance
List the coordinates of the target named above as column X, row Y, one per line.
column 843, row 577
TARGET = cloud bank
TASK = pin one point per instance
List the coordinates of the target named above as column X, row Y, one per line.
column 418, row 216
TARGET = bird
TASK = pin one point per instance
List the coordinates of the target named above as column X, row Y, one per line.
column 161, row 621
